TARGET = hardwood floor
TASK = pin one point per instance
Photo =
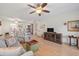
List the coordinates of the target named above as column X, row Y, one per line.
column 47, row 48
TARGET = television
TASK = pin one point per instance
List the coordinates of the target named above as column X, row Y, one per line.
column 50, row 29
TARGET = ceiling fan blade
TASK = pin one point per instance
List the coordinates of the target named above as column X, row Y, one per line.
column 39, row 14
column 46, row 11
column 43, row 5
column 32, row 12
column 31, row 6
column 38, row 4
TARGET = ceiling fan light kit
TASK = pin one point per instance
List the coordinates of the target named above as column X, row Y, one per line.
column 39, row 9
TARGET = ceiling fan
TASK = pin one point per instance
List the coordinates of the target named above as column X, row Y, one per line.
column 39, row 8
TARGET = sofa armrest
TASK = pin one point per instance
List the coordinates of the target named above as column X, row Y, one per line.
column 29, row 53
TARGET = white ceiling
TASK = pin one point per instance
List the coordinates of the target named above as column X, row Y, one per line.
column 21, row 10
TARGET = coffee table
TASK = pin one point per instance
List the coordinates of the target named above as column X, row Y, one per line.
column 31, row 45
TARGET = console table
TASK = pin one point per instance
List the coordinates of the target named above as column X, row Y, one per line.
column 74, row 37
column 53, row 36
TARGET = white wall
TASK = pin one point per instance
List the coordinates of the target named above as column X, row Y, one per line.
column 58, row 24
column 5, row 27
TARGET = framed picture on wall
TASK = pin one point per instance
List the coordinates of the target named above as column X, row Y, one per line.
column 73, row 25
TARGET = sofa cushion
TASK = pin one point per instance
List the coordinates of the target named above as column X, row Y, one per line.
column 11, row 51
column 2, row 43
column 29, row 53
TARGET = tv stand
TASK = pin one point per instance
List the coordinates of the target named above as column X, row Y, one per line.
column 53, row 36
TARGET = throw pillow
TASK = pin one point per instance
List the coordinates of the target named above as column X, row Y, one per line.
column 12, row 42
